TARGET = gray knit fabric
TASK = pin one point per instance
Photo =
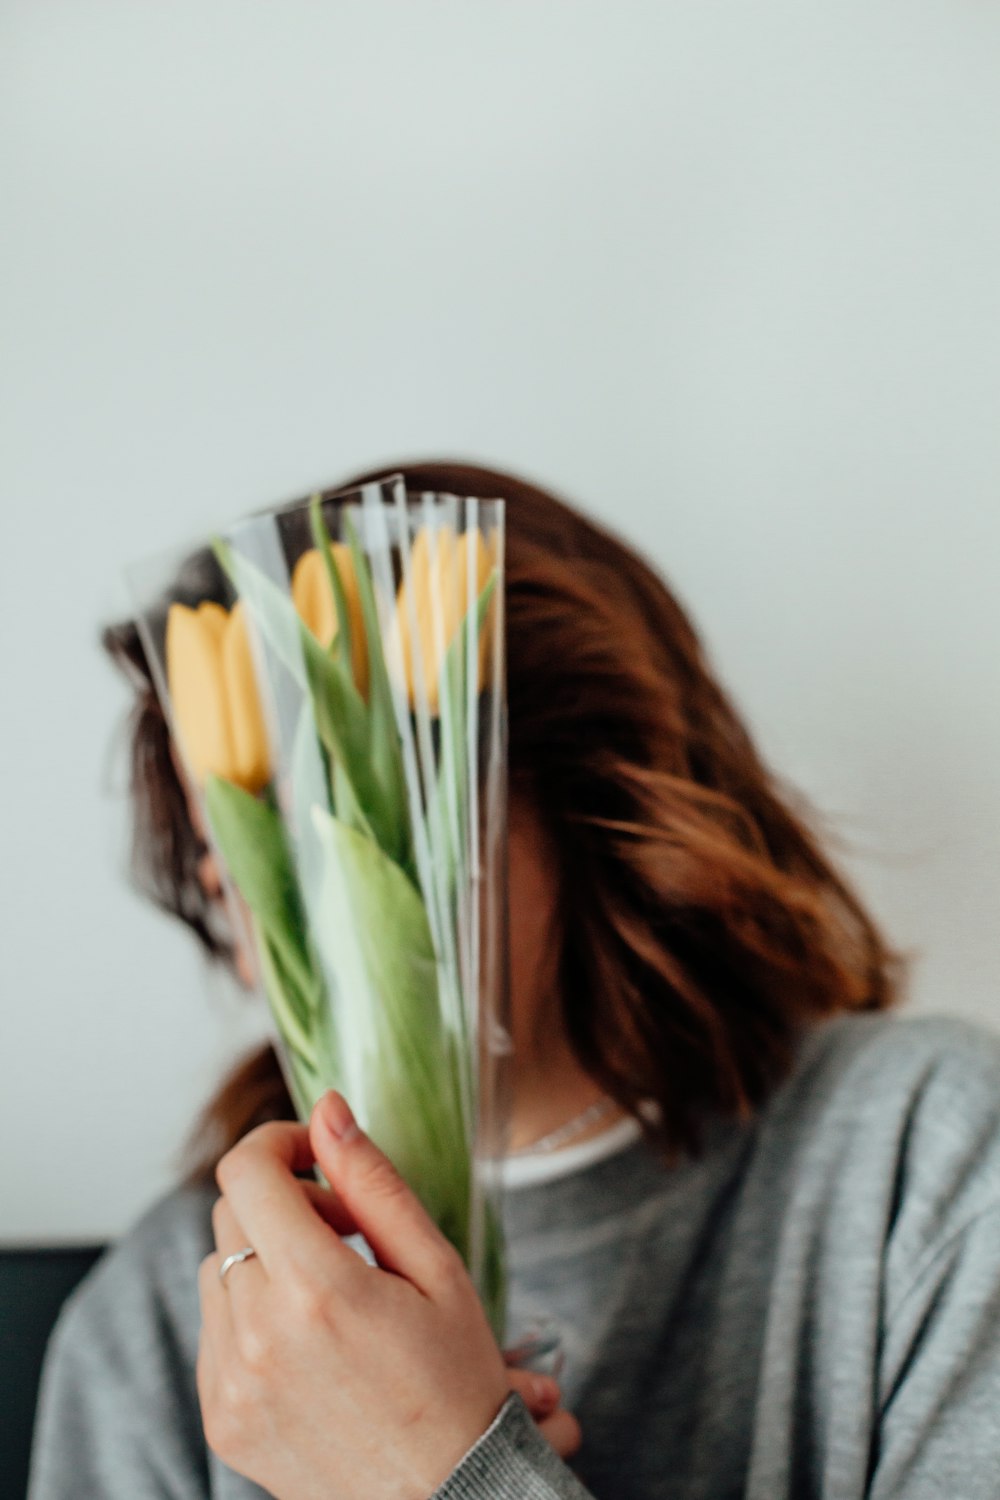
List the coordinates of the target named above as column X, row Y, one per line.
column 809, row 1311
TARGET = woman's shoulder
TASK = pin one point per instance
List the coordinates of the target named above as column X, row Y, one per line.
column 901, row 1110
column 147, row 1279
column 118, row 1408
column 936, row 1069
column 902, row 1046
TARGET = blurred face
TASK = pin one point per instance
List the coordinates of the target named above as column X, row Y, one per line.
column 534, row 927
column 210, row 878
column 534, row 932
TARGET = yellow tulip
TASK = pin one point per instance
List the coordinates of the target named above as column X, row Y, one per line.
column 214, row 697
column 313, row 599
column 436, row 598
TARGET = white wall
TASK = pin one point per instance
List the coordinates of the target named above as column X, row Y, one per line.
column 729, row 274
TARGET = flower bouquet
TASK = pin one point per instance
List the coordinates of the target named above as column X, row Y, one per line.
column 333, row 676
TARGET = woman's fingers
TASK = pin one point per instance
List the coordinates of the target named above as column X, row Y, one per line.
column 326, row 1203
column 329, row 1207
column 244, row 1282
column 367, row 1196
column 388, row 1213
column 562, row 1432
column 540, row 1394
column 277, row 1217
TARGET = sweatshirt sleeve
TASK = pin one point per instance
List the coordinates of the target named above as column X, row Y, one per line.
column 939, row 1431
column 118, row 1414
column 512, row 1461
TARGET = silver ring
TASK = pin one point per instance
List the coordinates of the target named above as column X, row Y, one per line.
column 233, row 1260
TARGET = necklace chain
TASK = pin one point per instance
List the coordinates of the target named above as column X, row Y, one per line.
column 571, row 1129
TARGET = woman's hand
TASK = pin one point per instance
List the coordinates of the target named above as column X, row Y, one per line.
column 321, row 1377
column 540, row 1394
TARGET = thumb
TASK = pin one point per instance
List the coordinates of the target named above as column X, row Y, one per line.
column 388, row 1213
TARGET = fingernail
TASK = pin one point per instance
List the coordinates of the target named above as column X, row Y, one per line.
column 544, row 1391
column 337, row 1117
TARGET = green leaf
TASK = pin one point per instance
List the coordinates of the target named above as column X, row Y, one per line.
column 251, row 837
column 342, row 725
column 272, row 611
column 300, row 1048
column 493, row 1271
column 249, row 832
column 398, row 1061
column 387, row 755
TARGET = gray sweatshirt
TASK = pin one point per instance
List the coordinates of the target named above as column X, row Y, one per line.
column 808, row 1311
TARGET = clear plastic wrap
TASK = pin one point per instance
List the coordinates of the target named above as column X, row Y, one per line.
column 333, row 676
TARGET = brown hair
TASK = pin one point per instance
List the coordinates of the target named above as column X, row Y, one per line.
column 708, row 926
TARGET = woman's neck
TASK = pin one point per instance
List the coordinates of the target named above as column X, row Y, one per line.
column 548, row 1094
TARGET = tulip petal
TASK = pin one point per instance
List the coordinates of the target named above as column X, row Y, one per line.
column 312, row 597
column 251, row 753
column 433, row 602
column 314, row 603
column 193, row 651
column 213, row 618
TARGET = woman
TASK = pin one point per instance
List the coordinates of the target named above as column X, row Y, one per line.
column 763, row 1215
